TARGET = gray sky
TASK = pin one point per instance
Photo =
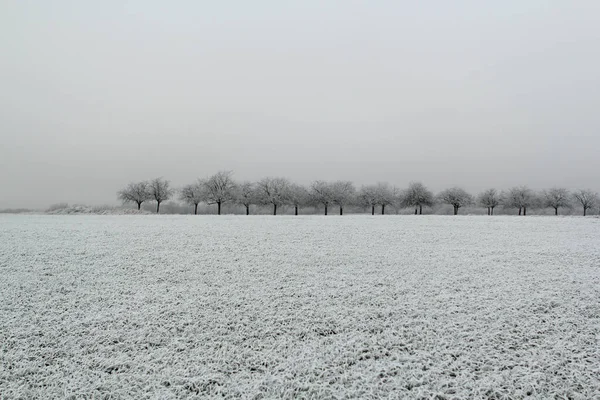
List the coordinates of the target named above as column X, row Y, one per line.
column 472, row 93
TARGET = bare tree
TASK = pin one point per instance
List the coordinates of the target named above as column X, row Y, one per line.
column 246, row 195
column 342, row 193
column 587, row 199
column 193, row 194
column 385, row 195
column 520, row 197
column 322, row 193
column 160, row 191
column 417, row 196
column 273, row 191
column 135, row 192
column 220, row 189
column 556, row 198
column 489, row 199
column 456, row 197
column 297, row 196
column 367, row 196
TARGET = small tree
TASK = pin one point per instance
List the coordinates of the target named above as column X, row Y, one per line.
column 520, row 197
column 489, row 199
column 193, row 194
column 367, row 196
column 273, row 191
column 385, row 195
column 246, row 195
column 456, row 197
column 135, row 192
column 556, row 198
column 159, row 191
column 220, row 189
column 297, row 196
column 417, row 196
column 587, row 199
column 342, row 193
column 322, row 193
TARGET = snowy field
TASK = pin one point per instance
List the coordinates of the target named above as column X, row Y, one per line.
column 299, row 307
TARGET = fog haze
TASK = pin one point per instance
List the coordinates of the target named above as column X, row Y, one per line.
column 469, row 93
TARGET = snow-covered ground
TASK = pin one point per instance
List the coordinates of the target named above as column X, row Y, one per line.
column 299, row 307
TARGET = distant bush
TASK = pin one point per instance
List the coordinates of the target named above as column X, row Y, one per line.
column 57, row 206
column 98, row 210
column 16, row 211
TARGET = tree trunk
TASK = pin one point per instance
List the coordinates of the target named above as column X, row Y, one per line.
column 382, row 209
column 296, row 210
column 196, row 209
column 520, row 210
column 157, row 206
column 341, row 210
column 455, row 210
column 524, row 211
column 139, row 205
column 372, row 210
column 247, row 209
column 325, row 209
column 416, row 210
column 492, row 211
column 218, row 208
column 555, row 210
column 420, row 209
column 584, row 211
column 274, row 209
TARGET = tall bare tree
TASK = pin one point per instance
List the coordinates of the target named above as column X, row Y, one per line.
column 456, row 197
column 587, row 198
column 135, row 192
column 520, row 197
column 297, row 196
column 322, row 193
column 556, row 198
column 342, row 193
column 489, row 199
column 273, row 191
column 193, row 194
column 220, row 189
column 246, row 195
column 367, row 196
column 160, row 191
column 417, row 196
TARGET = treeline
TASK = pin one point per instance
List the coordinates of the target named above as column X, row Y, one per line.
column 221, row 189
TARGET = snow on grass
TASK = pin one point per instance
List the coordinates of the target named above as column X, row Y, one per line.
column 299, row 307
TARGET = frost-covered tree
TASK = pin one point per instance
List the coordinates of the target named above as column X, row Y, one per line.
column 135, row 192
column 273, row 191
column 385, row 195
column 367, row 196
column 456, row 197
column 519, row 197
column 321, row 193
column 587, row 198
column 159, row 190
column 556, row 198
column 193, row 194
column 417, row 196
column 220, row 189
column 489, row 199
column 246, row 195
column 297, row 196
column 342, row 193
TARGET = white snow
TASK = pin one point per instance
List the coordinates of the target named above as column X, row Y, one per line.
column 299, row 307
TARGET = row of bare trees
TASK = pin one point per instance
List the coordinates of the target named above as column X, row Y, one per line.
column 221, row 189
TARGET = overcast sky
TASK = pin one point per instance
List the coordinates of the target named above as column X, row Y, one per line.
column 479, row 94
